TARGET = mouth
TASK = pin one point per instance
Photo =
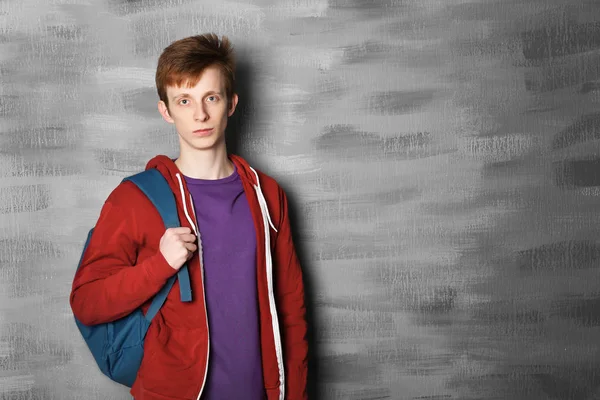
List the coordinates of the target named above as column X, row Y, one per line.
column 203, row 132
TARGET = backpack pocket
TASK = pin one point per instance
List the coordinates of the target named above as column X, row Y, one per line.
column 125, row 350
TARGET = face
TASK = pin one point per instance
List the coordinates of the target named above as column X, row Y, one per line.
column 200, row 113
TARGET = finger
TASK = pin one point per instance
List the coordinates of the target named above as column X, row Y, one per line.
column 188, row 237
column 190, row 246
column 181, row 230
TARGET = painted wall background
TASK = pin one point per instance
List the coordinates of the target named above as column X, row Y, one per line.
column 441, row 157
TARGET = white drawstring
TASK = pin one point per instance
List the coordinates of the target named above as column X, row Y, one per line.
column 198, row 235
column 201, row 255
column 269, row 264
column 187, row 215
column 261, row 199
column 185, row 205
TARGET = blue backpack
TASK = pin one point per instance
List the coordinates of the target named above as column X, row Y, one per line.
column 118, row 346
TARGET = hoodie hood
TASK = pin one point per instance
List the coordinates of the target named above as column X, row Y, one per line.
column 169, row 170
column 174, row 177
column 167, row 167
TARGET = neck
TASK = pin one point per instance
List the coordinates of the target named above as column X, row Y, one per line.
column 208, row 164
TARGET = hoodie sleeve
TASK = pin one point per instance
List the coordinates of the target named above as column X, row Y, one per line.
column 291, row 307
column 109, row 284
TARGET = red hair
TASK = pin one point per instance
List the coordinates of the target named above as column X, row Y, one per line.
column 186, row 59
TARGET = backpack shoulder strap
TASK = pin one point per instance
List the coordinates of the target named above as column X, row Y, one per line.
column 154, row 185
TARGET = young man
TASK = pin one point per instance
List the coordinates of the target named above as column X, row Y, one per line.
column 243, row 335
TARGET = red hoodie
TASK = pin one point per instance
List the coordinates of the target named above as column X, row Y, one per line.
column 122, row 269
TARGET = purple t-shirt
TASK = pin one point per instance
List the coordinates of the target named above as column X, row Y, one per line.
column 229, row 247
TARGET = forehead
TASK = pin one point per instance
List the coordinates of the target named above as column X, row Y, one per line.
column 211, row 79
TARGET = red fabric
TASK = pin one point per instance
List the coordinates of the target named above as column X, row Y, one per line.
column 122, row 269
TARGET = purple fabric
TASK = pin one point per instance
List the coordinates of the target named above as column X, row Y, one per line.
column 229, row 247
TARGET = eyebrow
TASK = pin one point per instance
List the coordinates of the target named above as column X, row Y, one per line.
column 210, row 92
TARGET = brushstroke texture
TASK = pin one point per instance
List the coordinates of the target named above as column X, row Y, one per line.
column 440, row 157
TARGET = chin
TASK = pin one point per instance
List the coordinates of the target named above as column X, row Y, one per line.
column 203, row 143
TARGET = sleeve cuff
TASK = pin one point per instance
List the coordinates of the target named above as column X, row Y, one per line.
column 158, row 269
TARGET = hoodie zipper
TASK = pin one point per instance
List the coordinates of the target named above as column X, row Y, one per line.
column 194, row 225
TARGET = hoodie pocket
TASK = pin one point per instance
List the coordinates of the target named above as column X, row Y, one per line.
column 272, row 393
column 176, row 362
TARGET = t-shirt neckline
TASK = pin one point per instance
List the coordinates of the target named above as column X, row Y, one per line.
column 198, row 181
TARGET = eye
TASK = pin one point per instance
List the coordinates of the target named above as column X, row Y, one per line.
column 182, row 101
column 212, row 98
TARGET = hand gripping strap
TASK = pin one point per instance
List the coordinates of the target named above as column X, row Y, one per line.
column 157, row 189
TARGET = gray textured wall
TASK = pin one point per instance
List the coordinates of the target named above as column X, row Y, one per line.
column 441, row 157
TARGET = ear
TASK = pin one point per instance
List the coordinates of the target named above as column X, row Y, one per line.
column 232, row 104
column 164, row 111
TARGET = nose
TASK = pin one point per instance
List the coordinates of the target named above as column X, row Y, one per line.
column 200, row 114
